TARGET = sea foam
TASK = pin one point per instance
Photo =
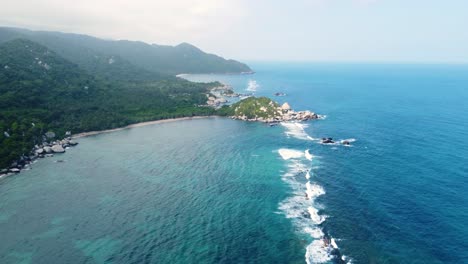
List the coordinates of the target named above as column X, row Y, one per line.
column 314, row 190
column 296, row 130
column 316, row 252
column 302, row 209
column 287, row 154
column 252, row 86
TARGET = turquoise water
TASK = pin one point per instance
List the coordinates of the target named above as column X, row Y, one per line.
column 222, row 191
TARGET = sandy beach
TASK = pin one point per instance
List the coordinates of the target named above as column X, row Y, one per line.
column 91, row 133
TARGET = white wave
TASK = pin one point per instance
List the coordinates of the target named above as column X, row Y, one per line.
column 314, row 190
column 317, row 253
column 333, row 243
column 297, row 130
column 295, row 167
column 293, row 207
column 340, row 142
column 349, row 140
column 308, row 155
column 314, row 216
column 252, row 86
column 287, row 154
column 316, row 233
column 345, row 259
column 302, row 209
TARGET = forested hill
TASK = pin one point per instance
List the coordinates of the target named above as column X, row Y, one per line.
column 94, row 54
column 40, row 91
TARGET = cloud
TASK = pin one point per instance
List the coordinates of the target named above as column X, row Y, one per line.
column 153, row 21
column 264, row 29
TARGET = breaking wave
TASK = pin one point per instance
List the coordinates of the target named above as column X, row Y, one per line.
column 252, row 86
column 296, row 130
column 301, row 207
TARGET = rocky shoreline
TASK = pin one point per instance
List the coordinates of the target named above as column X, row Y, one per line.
column 282, row 113
column 217, row 97
column 50, row 147
column 44, row 150
column 270, row 112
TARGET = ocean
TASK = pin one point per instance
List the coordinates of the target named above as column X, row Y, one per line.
column 217, row 190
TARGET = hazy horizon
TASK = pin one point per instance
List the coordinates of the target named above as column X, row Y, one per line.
column 350, row 31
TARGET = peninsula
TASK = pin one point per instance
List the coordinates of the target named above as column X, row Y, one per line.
column 48, row 94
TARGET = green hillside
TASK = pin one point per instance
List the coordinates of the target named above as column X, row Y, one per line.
column 40, row 91
column 252, row 107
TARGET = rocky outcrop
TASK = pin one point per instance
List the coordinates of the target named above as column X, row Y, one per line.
column 50, row 134
column 46, row 149
column 266, row 110
column 39, row 151
column 327, row 141
column 58, row 149
column 218, row 96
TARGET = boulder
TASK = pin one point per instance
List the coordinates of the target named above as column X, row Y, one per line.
column 39, row 151
column 58, row 149
column 50, row 134
column 327, row 141
column 286, row 106
column 47, row 149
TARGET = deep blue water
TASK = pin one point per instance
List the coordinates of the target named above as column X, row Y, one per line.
column 223, row 191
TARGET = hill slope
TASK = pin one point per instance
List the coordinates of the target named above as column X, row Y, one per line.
column 88, row 52
column 41, row 91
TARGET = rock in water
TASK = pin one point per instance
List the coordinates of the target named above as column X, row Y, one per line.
column 57, row 149
column 327, row 141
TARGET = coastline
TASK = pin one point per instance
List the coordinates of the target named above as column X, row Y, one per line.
column 181, row 75
column 40, row 152
column 147, row 123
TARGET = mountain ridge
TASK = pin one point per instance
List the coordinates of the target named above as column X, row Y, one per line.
column 154, row 58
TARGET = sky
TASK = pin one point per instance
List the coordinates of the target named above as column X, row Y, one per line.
column 266, row 30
